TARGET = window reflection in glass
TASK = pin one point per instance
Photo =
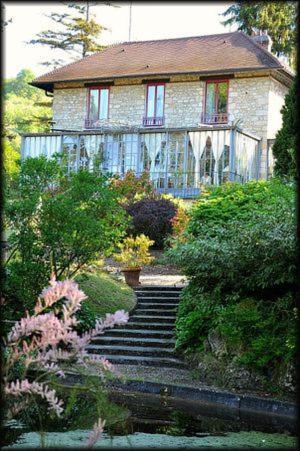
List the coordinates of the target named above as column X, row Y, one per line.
column 222, row 98
column 151, row 101
column 210, row 99
column 94, row 95
column 103, row 113
column 160, row 101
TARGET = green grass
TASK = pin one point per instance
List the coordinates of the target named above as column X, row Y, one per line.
column 105, row 293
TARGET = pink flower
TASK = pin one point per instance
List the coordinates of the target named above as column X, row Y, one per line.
column 95, row 433
column 24, row 387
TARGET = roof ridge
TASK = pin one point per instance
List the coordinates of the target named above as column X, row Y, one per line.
column 177, row 39
column 269, row 54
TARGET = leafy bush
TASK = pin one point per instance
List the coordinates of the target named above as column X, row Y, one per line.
column 57, row 224
column 153, row 218
column 132, row 187
column 240, row 258
column 134, row 252
column 234, row 201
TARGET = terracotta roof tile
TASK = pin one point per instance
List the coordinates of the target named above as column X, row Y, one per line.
column 200, row 54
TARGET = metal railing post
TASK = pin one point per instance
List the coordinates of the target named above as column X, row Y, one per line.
column 232, row 154
column 258, row 164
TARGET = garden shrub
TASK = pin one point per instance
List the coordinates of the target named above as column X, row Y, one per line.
column 57, row 224
column 240, row 259
column 153, row 218
column 132, row 187
column 222, row 204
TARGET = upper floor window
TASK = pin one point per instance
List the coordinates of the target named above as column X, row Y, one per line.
column 98, row 100
column 155, row 104
column 216, row 102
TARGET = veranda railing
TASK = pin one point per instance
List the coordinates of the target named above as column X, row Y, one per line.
column 178, row 161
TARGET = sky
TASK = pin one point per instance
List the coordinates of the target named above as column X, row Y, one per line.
column 150, row 20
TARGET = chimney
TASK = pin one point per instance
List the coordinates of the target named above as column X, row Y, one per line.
column 262, row 38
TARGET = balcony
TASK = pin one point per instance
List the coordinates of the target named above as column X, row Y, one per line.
column 153, row 121
column 214, row 118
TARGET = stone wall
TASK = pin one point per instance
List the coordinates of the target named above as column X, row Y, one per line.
column 183, row 104
column 127, row 104
column 69, row 108
column 277, row 93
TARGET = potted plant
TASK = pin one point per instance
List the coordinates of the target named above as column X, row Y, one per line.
column 134, row 252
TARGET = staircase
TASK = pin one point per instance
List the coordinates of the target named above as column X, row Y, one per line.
column 148, row 337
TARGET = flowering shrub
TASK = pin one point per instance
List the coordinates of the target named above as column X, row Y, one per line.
column 180, row 224
column 47, row 343
column 132, row 187
column 134, row 252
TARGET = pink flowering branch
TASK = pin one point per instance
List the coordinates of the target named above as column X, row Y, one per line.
column 47, row 340
column 95, row 434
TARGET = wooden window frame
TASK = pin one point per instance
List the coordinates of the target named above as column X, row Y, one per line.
column 216, row 82
column 149, row 85
column 99, row 88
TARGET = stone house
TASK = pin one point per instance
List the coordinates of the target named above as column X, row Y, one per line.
column 190, row 110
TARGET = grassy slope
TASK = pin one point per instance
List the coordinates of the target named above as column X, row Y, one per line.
column 105, row 294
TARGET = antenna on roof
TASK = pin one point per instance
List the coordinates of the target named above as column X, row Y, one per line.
column 130, row 15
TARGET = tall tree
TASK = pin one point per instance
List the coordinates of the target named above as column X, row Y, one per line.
column 278, row 18
column 79, row 32
column 284, row 147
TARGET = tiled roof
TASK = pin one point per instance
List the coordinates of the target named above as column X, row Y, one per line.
column 199, row 54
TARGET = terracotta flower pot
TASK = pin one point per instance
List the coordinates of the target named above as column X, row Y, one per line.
column 132, row 276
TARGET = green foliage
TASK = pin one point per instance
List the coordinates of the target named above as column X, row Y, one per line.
column 57, row 224
column 27, row 109
column 75, row 32
column 196, row 312
column 11, row 159
column 220, row 205
column 279, row 18
column 284, row 148
column 105, row 294
column 240, row 257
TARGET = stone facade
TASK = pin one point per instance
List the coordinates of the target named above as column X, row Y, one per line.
column 254, row 100
column 69, row 108
column 183, row 104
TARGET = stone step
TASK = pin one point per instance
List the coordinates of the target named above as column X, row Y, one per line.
column 158, row 288
column 157, row 312
column 157, row 306
column 170, row 362
column 155, row 294
column 153, row 318
column 135, row 341
column 129, row 350
column 159, row 299
column 167, row 334
column 154, row 325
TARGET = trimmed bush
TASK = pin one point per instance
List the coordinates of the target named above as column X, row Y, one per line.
column 240, row 258
column 153, row 218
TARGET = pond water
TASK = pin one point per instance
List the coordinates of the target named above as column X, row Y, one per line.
column 153, row 421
